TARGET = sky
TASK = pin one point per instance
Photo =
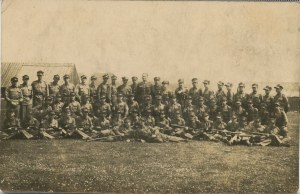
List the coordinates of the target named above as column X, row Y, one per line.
column 229, row 41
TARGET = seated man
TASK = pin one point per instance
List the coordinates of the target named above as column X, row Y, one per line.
column 50, row 125
column 135, row 119
column 85, row 124
column 178, row 124
column 243, row 134
column 233, row 124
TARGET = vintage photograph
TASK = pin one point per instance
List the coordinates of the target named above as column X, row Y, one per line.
column 150, row 96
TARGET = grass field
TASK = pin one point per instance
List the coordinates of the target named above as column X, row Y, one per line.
column 202, row 167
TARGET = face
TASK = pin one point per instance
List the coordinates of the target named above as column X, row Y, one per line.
column 241, row 88
column 72, row 98
column 85, row 113
column 278, row 90
column 144, row 78
column 205, row 85
column 55, row 79
column 219, row 86
column 26, row 80
column 164, row 86
column 127, row 123
column 58, row 99
column 102, row 100
column 228, row 87
column 14, row 83
column 195, row 84
column 234, row 119
column 180, row 84
column 12, row 114
column 267, row 92
column 67, row 80
column 177, row 115
column 206, row 118
column 105, row 80
column 40, row 76
column 84, row 80
column 224, row 102
column 125, row 81
column 254, row 89
column 93, row 80
column 173, row 100
column 201, row 102
column 156, row 82
column 238, row 104
column 133, row 80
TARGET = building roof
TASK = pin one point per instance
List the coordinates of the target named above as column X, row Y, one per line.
column 9, row 70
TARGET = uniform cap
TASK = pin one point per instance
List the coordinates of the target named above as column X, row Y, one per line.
column 238, row 102
column 165, row 82
column 228, row 84
column 147, row 97
column 58, row 95
column 194, row 80
column 149, row 110
column 25, row 77
column 279, row 86
column 72, row 94
column 277, row 104
column 156, row 78
column 234, row 117
column 224, row 99
column 66, row 76
column 124, row 78
column 93, row 77
column 14, row 79
column 173, row 96
column 120, row 95
column 56, row 76
column 241, row 84
column 201, row 98
column 158, row 97
column 103, row 97
column 83, row 77
column 189, row 98
column 180, row 81
column 177, row 112
column 268, row 88
column 105, row 76
column 220, row 83
column 254, row 85
column 114, row 77
column 206, row 81
column 51, row 113
column 49, row 98
column 40, row 73
column 134, row 78
column 134, row 111
column 249, row 102
column 205, row 114
column 145, row 74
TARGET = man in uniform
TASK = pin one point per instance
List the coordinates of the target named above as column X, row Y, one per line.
column 158, row 107
column 26, row 104
column 75, row 107
column 220, row 94
column 195, row 92
column 42, row 111
column 82, row 89
column 251, row 111
column 267, row 99
column 134, row 86
column 201, row 108
column 229, row 94
column 85, row 104
column 143, row 88
column 281, row 98
column 189, row 108
column 85, row 123
column 173, row 107
column 207, row 94
column 165, row 92
column 113, row 87
column 104, row 89
column 102, row 107
column 181, row 93
column 13, row 96
column 133, row 105
column 148, row 120
column 124, row 89
column 147, row 105
column 66, row 89
column 264, row 114
column 241, row 95
column 225, row 110
column 39, row 89
column 281, row 119
column 93, row 91
column 213, row 109
column 121, row 106
column 255, row 97
column 156, row 88
column 54, row 87
column 238, row 110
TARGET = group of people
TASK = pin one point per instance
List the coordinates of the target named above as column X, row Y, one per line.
column 144, row 111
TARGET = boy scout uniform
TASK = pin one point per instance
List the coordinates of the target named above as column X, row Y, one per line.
column 40, row 90
column 13, row 96
column 26, row 104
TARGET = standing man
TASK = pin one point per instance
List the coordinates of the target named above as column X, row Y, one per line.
column 26, row 104
column 208, row 94
column 229, row 94
column 254, row 96
column 281, row 98
column 124, row 89
column 220, row 94
column 113, row 87
column 104, row 89
column 54, row 87
column 165, row 93
column 134, row 85
column 40, row 90
column 13, row 96
column 181, row 93
column 195, row 92
column 241, row 95
column 82, row 89
column 156, row 88
column 66, row 89
column 143, row 89
column 93, row 91
column 267, row 99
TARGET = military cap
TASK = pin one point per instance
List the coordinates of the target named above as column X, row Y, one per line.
column 14, row 79
column 113, row 77
column 134, row 78
column 67, row 108
column 124, row 78
column 167, row 97
column 56, row 76
column 254, row 85
column 219, row 116
column 249, row 102
column 65, row 94
column 278, row 86
column 86, row 97
column 272, row 119
column 206, row 81
column 156, row 78
column 257, row 118
column 40, row 72
column 66, row 76
column 189, row 98
column 194, row 80
column 158, row 97
column 25, row 77
column 93, row 77
column 268, row 88
column 220, row 83
column 165, row 82
column 103, row 111
column 234, row 117
column 84, row 109
column 277, row 104
column 134, row 111
column 83, row 77
column 105, row 76
column 72, row 94
column 212, row 100
column 119, row 94
column 49, row 98
column 148, row 110
column 162, row 113
column 201, row 98
column 241, row 84
column 103, row 97
column 180, row 81
column 147, row 97
column 238, row 102
column 145, row 74
column 177, row 112
column 119, row 112
column 51, row 112
column 131, row 95
column 228, row 84
column 205, row 114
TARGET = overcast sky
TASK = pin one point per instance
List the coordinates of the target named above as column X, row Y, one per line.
column 230, row 41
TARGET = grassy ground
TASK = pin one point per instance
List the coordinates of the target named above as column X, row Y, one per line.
column 205, row 167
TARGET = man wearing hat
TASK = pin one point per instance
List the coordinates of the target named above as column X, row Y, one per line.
column 133, row 105
column 225, row 110
column 113, row 86
column 181, row 93
column 103, row 106
column 75, row 107
column 124, row 89
column 54, row 87
column 148, row 120
column 254, row 96
column 233, row 125
column 147, row 105
column 178, row 124
column 158, row 107
column 165, row 93
column 238, row 110
column 134, row 85
column 220, row 94
column 93, row 90
column 213, row 109
column 195, row 92
column 86, row 122
column 67, row 88
column 156, row 88
column 267, row 99
column 229, row 94
column 251, row 111
column 104, row 89
column 189, row 108
column 281, row 98
column 58, row 105
column 207, row 94
column 241, row 95
column 82, row 89
column 13, row 96
column 42, row 111
column 39, row 89
column 121, row 106
column 173, row 107
column 201, row 108
column 143, row 88
column 85, row 103
column 281, row 119
column 26, row 104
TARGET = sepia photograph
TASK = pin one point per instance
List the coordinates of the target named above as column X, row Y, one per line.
column 149, row 96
